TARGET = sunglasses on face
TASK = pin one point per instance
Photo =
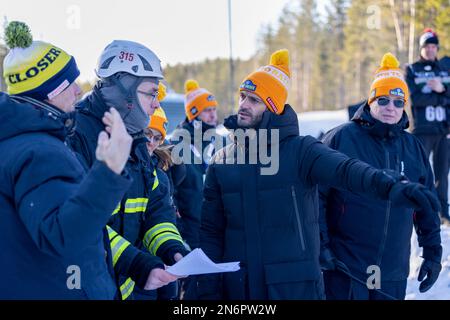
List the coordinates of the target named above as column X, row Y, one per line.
column 383, row 102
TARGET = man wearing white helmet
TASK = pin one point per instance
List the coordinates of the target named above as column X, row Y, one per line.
column 129, row 74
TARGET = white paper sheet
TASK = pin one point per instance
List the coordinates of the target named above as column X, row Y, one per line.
column 196, row 262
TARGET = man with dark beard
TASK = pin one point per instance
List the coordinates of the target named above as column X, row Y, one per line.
column 270, row 222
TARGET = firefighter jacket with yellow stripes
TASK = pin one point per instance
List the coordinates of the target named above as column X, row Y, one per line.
column 144, row 217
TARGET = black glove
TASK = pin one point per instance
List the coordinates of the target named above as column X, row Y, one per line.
column 431, row 267
column 327, row 259
column 141, row 266
column 168, row 256
column 414, row 195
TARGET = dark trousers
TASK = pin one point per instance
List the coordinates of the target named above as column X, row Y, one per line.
column 339, row 286
column 438, row 145
column 189, row 288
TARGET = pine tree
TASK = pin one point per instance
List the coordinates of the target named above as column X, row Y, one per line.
column 333, row 58
column 434, row 14
column 367, row 37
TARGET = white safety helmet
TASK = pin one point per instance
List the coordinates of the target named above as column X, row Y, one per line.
column 130, row 57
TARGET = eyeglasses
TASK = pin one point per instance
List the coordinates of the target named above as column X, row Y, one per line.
column 383, row 102
column 156, row 138
column 153, row 95
column 252, row 99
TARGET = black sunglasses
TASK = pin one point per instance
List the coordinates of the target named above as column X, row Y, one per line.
column 383, row 102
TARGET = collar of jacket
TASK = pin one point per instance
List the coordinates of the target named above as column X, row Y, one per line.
column 429, row 62
column 189, row 125
column 377, row 128
column 154, row 160
column 93, row 103
column 67, row 119
column 139, row 151
column 286, row 123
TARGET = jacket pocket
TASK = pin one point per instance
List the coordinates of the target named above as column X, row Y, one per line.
column 298, row 219
column 293, row 280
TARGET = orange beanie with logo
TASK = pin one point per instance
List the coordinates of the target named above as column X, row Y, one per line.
column 271, row 83
column 389, row 80
column 197, row 99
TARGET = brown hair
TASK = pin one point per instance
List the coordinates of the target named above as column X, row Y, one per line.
column 163, row 153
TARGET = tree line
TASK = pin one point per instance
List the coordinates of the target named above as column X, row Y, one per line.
column 334, row 51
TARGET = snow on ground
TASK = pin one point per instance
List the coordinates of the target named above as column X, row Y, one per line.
column 312, row 123
column 441, row 289
column 315, row 122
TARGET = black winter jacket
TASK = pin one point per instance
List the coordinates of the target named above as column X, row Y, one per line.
column 270, row 222
column 189, row 194
column 430, row 110
column 363, row 231
column 52, row 213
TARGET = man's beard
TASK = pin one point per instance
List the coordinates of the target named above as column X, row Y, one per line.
column 252, row 123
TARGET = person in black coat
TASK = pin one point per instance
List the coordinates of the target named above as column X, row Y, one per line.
column 429, row 83
column 445, row 64
column 190, row 137
column 362, row 232
column 264, row 213
column 201, row 116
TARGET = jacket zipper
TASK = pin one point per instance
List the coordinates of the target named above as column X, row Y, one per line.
column 299, row 221
column 387, row 216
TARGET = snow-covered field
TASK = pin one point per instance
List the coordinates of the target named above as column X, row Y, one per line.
column 312, row 123
column 441, row 289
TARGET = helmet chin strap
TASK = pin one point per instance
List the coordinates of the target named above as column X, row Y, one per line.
column 129, row 94
column 120, row 92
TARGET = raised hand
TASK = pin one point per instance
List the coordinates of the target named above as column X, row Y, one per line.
column 114, row 144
